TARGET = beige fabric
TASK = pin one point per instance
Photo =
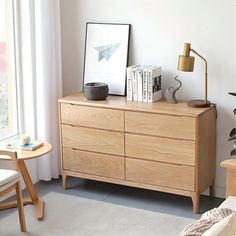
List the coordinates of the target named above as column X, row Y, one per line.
column 229, row 203
column 207, row 220
column 6, row 176
column 225, row 227
column 5, row 186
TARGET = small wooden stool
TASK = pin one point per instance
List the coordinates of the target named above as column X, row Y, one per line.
column 230, row 166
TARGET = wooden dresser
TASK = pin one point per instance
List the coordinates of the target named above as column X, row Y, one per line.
column 159, row 146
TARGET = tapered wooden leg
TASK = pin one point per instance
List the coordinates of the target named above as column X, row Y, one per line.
column 20, row 207
column 196, row 200
column 212, row 190
column 64, row 178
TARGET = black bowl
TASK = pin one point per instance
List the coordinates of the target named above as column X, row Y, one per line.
column 96, row 91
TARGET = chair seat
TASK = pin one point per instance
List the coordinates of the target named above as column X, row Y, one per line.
column 7, row 176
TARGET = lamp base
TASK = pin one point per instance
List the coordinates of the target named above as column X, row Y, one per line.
column 199, row 103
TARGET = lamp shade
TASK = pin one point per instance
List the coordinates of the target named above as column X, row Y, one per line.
column 186, row 63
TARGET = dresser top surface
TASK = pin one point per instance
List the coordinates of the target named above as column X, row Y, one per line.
column 121, row 103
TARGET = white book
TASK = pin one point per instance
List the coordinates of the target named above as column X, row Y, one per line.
column 129, row 81
column 154, row 84
column 140, row 83
column 145, row 83
column 135, row 83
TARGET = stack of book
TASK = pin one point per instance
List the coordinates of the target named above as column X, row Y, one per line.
column 144, row 83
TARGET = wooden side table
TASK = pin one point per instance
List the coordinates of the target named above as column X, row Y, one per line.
column 34, row 199
column 230, row 166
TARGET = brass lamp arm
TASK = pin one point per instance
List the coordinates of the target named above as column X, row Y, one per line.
column 192, row 50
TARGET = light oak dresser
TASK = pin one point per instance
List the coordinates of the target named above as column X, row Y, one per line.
column 159, row 146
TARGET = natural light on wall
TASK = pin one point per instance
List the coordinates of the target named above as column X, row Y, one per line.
column 8, row 94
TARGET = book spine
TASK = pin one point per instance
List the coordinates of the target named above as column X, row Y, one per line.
column 140, row 84
column 129, row 84
column 135, row 84
column 149, row 85
column 154, row 85
column 145, row 85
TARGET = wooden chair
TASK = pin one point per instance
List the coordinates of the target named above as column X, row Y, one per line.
column 9, row 180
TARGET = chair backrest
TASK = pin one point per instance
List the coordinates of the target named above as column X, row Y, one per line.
column 13, row 156
column 13, row 183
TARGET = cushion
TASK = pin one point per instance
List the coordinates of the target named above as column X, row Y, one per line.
column 225, row 227
column 229, row 203
column 7, row 176
column 207, row 220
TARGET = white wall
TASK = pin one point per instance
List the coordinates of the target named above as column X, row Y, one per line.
column 159, row 29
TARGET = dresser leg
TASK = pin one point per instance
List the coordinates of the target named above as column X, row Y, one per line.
column 212, row 190
column 196, row 200
column 64, row 178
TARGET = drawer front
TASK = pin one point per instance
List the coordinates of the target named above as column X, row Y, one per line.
column 92, row 117
column 160, row 149
column 173, row 176
column 93, row 163
column 161, row 125
column 93, row 140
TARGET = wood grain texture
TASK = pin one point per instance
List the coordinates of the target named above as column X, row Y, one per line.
column 94, row 163
column 196, row 201
column 92, row 117
column 160, row 125
column 164, row 147
column 173, row 176
column 120, row 103
column 160, row 149
column 230, row 166
column 93, row 140
column 205, row 150
column 20, row 207
column 127, row 183
column 23, row 155
column 26, row 154
column 231, row 183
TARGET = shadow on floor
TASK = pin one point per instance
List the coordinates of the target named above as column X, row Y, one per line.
column 129, row 196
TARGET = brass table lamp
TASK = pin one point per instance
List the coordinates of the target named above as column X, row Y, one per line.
column 186, row 63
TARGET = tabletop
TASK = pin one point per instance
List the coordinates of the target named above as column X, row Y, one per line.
column 230, row 164
column 27, row 154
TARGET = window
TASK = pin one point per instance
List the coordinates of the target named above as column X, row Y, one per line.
column 9, row 124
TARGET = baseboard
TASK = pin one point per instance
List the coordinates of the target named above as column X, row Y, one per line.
column 219, row 192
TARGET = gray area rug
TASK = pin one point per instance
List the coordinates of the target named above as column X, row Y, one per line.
column 71, row 216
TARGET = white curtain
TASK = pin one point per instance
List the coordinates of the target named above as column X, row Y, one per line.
column 42, row 82
column 48, row 82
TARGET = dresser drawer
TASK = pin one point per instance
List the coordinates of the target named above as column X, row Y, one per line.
column 161, row 125
column 160, row 149
column 93, row 163
column 92, row 117
column 149, row 172
column 93, row 140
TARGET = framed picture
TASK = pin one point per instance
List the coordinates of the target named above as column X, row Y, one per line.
column 106, row 55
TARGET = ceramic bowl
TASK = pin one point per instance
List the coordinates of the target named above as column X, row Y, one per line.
column 96, row 91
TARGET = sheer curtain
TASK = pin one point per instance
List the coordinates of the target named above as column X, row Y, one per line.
column 48, row 82
column 41, row 78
